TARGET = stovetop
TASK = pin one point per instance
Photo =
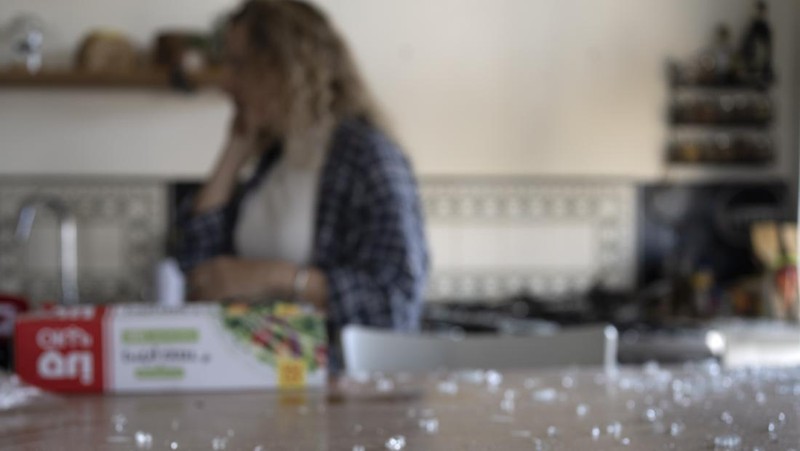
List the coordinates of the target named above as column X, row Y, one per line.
column 640, row 340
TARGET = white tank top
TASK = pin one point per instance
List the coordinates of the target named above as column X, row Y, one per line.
column 276, row 219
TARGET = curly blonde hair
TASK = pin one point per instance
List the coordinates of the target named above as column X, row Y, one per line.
column 319, row 76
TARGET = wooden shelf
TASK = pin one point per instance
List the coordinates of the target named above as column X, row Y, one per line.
column 699, row 173
column 722, row 124
column 145, row 79
column 718, row 86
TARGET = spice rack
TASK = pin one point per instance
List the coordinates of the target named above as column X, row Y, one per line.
column 718, row 119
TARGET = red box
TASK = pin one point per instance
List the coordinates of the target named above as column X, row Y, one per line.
column 138, row 348
column 61, row 349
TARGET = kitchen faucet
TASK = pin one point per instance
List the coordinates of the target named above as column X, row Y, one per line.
column 68, row 240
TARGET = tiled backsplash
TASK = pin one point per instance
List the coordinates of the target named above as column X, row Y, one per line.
column 490, row 238
column 121, row 230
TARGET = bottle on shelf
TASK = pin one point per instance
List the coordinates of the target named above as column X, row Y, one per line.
column 756, row 49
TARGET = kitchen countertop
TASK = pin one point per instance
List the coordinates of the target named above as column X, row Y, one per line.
column 759, row 342
column 733, row 341
column 644, row 408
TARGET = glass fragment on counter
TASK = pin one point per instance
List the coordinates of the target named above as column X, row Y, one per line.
column 653, row 414
column 545, row 395
column 726, row 417
column 726, row 442
column 676, row 428
column 448, row 387
column 219, row 443
column 384, row 385
column 396, row 443
column 15, row 393
column 429, row 425
column 493, row 378
column 119, row 421
column 143, row 440
column 531, row 383
column 614, row 429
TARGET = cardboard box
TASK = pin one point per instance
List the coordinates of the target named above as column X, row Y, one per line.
column 200, row 347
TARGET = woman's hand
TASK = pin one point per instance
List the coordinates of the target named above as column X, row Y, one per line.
column 229, row 277
column 244, row 138
column 244, row 142
column 214, row 279
column 238, row 125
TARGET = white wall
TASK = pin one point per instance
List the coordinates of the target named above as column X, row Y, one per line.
column 110, row 132
column 531, row 87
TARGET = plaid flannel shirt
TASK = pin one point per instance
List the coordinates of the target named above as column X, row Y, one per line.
column 369, row 232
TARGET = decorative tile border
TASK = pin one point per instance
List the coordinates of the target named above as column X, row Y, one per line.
column 608, row 208
column 137, row 209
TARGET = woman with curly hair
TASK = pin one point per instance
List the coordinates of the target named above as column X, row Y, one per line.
column 330, row 212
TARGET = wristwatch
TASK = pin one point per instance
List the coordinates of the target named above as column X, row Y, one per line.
column 300, row 283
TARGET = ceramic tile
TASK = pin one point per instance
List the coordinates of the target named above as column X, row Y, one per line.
column 121, row 230
column 494, row 238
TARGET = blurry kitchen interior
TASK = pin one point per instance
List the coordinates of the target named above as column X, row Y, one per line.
column 626, row 162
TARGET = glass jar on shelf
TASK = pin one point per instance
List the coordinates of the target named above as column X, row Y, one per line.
column 23, row 40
